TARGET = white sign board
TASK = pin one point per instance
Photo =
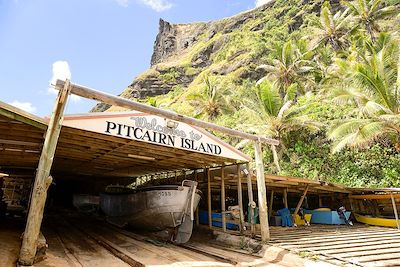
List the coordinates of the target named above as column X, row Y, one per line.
column 154, row 129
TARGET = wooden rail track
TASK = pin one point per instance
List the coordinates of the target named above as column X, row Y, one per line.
column 139, row 250
column 360, row 245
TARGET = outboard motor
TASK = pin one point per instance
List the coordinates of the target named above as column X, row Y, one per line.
column 301, row 213
column 342, row 215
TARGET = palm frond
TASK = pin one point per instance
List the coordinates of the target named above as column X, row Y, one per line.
column 269, row 97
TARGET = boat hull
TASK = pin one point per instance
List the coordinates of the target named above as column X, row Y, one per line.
column 154, row 209
column 376, row 221
column 85, row 203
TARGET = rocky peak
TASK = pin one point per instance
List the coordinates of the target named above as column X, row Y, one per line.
column 172, row 39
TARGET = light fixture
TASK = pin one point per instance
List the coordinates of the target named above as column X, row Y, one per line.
column 140, row 157
column 172, row 124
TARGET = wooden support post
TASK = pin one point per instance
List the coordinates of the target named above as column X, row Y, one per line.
column 262, row 193
column 223, row 208
column 271, row 201
column 285, row 199
column 320, row 201
column 396, row 215
column 251, row 200
column 209, row 198
column 300, row 202
column 43, row 179
column 240, row 199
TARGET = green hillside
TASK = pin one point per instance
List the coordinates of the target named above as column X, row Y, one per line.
column 322, row 77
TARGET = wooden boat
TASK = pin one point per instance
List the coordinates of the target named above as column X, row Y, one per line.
column 155, row 208
column 378, row 221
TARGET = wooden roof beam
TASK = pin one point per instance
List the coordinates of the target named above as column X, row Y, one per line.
column 90, row 93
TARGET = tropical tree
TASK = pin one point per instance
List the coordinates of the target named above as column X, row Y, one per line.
column 292, row 64
column 274, row 116
column 330, row 29
column 367, row 13
column 374, row 89
column 212, row 101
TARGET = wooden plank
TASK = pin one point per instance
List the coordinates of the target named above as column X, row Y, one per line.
column 14, row 113
column 223, row 208
column 377, row 250
column 375, row 196
column 333, row 236
column 262, row 193
column 368, row 247
column 300, row 201
column 251, row 200
column 240, row 198
column 209, row 198
column 271, row 201
column 383, row 263
column 395, row 211
column 43, row 180
column 328, row 241
column 342, row 244
column 285, row 198
column 374, row 258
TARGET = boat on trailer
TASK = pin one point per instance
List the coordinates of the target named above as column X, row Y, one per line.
column 154, row 208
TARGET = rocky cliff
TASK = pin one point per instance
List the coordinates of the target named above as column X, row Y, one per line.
column 231, row 47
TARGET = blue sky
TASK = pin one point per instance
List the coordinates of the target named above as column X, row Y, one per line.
column 102, row 44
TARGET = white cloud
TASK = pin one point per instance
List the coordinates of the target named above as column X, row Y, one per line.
column 61, row 72
column 156, row 5
column 262, row 2
column 123, row 3
column 27, row 106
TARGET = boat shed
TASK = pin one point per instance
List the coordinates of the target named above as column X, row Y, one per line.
column 97, row 149
column 112, row 145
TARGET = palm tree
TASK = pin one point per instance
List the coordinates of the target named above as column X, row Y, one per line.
column 330, row 29
column 367, row 13
column 212, row 101
column 375, row 91
column 275, row 117
column 291, row 65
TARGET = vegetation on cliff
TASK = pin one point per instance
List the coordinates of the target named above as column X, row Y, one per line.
column 322, row 77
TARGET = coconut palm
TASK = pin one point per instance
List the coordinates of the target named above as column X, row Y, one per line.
column 291, row 65
column 212, row 101
column 331, row 29
column 275, row 117
column 367, row 13
column 375, row 91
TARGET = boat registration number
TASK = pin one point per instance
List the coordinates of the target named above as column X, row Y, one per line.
column 164, row 194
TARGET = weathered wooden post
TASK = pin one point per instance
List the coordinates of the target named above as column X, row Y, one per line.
column 240, row 198
column 271, row 202
column 223, row 208
column 395, row 211
column 285, row 199
column 262, row 193
column 43, row 179
column 251, row 200
column 209, row 198
column 300, row 203
column 320, row 203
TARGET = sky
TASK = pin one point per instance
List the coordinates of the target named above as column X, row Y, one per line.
column 102, row 44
